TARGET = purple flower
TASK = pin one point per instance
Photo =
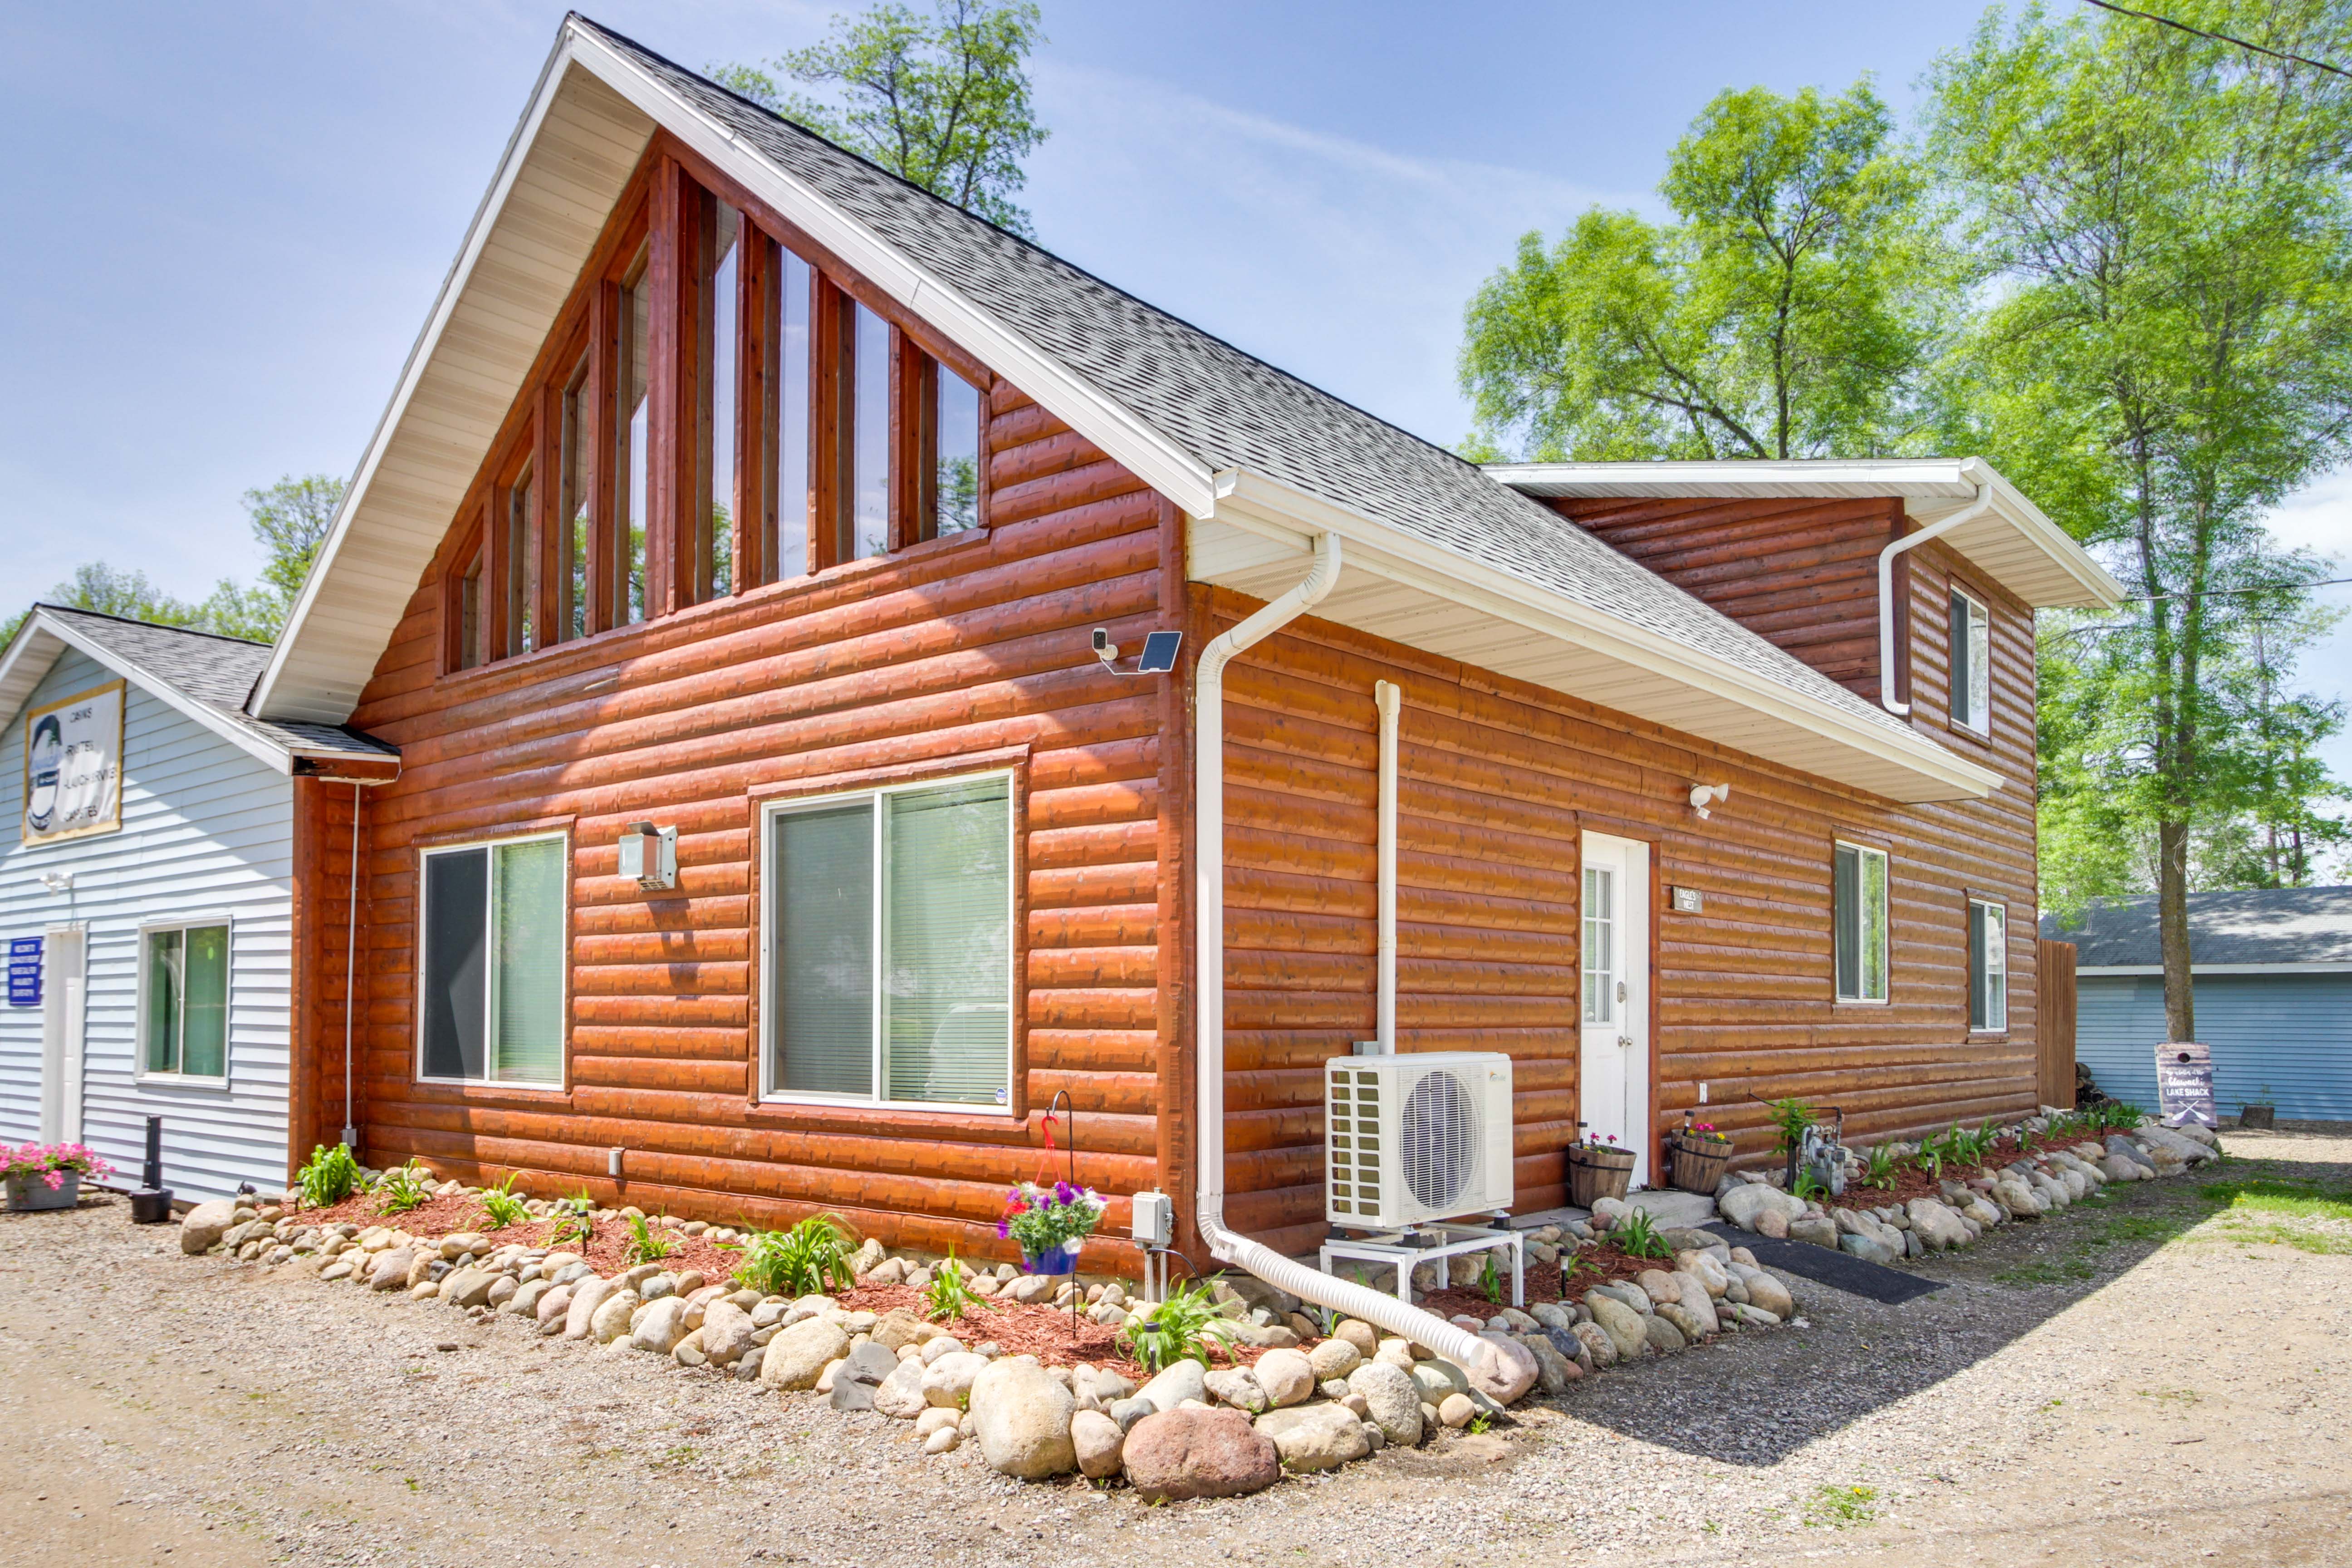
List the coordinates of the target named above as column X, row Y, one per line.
column 1064, row 1193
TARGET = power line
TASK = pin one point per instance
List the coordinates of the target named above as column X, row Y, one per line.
column 2225, row 593
column 2220, row 37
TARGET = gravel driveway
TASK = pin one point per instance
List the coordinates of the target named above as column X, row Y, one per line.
column 2148, row 1378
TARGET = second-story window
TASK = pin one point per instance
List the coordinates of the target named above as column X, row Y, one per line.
column 1971, row 664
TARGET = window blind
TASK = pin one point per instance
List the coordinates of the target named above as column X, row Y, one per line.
column 457, row 900
column 949, row 943
column 204, row 1021
column 527, row 915
column 821, row 986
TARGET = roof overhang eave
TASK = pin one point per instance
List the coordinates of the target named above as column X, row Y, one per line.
column 259, row 747
column 1259, row 504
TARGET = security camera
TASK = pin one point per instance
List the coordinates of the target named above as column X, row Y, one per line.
column 1106, row 649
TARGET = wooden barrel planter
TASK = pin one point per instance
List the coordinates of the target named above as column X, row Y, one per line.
column 1697, row 1163
column 1595, row 1173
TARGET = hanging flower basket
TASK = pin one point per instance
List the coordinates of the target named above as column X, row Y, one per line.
column 1049, row 1223
column 1058, row 1260
column 1597, row 1171
column 1698, row 1156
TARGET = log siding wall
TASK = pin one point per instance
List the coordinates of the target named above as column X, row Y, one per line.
column 951, row 652
column 1497, row 782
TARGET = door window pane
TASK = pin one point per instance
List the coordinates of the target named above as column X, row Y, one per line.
column 1600, row 945
column 204, row 1021
column 635, row 457
column 167, row 967
column 949, row 943
column 456, row 961
column 718, row 389
column 821, row 985
column 870, row 489
column 528, row 913
column 957, row 421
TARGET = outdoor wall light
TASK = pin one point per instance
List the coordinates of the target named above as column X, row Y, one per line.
column 1702, row 794
column 649, row 854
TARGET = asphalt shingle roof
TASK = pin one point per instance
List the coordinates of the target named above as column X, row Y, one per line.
column 217, row 671
column 2278, row 925
column 1231, row 410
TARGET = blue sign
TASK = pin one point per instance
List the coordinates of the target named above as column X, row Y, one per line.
column 24, row 971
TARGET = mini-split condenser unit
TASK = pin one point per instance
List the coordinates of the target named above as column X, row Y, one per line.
column 1413, row 1138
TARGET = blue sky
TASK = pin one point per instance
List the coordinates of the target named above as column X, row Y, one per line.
column 230, row 221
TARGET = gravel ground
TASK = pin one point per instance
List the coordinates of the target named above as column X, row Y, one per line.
column 2135, row 1381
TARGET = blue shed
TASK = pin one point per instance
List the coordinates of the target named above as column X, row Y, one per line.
column 2273, row 996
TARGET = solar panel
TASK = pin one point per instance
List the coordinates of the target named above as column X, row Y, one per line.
column 1159, row 653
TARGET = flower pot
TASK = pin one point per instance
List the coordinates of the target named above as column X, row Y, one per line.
column 30, row 1192
column 1060, row 1260
column 1697, row 1164
column 1595, row 1173
column 2257, row 1115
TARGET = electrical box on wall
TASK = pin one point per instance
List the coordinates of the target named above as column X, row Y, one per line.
column 1155, row 1219
column 649, row 854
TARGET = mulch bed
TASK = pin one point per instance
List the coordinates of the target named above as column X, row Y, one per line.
column 1911, row 1182
column 608, row 1249
column 1611, row 1266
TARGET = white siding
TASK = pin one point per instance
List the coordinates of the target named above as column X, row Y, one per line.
column 206, row 830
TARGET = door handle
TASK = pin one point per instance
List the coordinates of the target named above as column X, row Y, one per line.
column 1625, row 1041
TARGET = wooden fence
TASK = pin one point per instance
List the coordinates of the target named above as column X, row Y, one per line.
column 2054, row 1023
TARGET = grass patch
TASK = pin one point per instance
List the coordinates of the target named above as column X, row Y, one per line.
column 2046, row 1271
column 1841, row 1508
column 2286, row 1211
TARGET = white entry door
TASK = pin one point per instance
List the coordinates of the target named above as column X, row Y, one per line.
column 1614, row 1083
column 64, row 981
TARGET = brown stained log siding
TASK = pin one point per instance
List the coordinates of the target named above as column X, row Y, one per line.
column 1497, row 780
column 1800, row 573
column 973, row 646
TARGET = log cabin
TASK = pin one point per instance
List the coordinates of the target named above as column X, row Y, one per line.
column 749, row 569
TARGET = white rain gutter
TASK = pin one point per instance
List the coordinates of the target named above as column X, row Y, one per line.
column 1501, row 1370
column 1969, row 513
column 1387, row 696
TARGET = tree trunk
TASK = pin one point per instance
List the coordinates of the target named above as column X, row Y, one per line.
column 2172, row 929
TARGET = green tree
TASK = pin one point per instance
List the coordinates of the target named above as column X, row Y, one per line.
column 942, row 102
column 2167, row 353
column 1795, row 307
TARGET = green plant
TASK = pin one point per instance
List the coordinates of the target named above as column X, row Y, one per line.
column 574, row 1220
column 1807, row 1185
column 331, row 1176
column 1838, row 1507
column 1490, row 1281
column 1929, row 1159
column 402, row 1188
column 2114, row 1116
column 1878, row 1168
column 1636, row 1236
column 947, row 1296
column 1046, row 1219
column 647, row 1245
column 1184, row 1327
column 1479, row 1423
column 502, row 1206
column 810, row 1257
column 1789, row 1119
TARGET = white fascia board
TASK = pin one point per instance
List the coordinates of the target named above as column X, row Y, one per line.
column 411, row 371
column 278, row 758
column 27, row 660
column 2201, row 970
column 2013, row 506
column 1140, row 446
column 1253, row 501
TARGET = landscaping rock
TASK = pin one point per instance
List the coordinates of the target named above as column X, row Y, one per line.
column 1623, row 1325
column 1458, row 1409
column 1181, row 1454
column 1685, row 1322
column 523, row 1300
column 797, row 1354
column 900, row 1395
column 1436, row 1379
column 898, row 1327
column 1743, row 1206
column 1870, row 1249
column 947, row 1381
column 1697, row 1304
column 1022, row 1418
column 1361, row 1334
column 2191, row 1151
column 725, row 1332
column 1288, row 1376
column 1391, row 1400
column 2019, row 1199
column 553, row 1309
column 662, row 1327
column 1663, row 1336
column 1128, row 1412
column 467, row 1287
column 1554, row 1370
column 586, row 1295
column 1332, row 1358
column 1772, row 1224
column 1098, row 1440
column 610, row 1320
column 1703, row 1264
column 1318, row 1438
column 1239, row 1388
column 1817, row 1231
column 1658, row 1285
column 389, row 1271
column 1598, row 1342
column 1184, row 1381
column 205, row 1224
column 1938, row 1228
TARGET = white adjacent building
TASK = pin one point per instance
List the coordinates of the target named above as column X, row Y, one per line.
column 147, row 895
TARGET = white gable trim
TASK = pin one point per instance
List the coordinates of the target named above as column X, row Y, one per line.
column 44, row 636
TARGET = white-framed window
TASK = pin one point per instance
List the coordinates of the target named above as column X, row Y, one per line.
column 1600, row 944
column 1988, row 964
column 1972, row 664
column 184, row 999
column 491, row 953
column 886, row 946
column 1858, row 922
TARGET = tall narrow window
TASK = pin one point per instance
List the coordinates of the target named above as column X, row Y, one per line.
column 1988, row 964
column 473, row 612
column 889, row 946
column 1972, row 664
column 1600, row 944
column 1858, row 923
column 633, row 464
column 955, row 457
column 185, row 998
column 870, row 445
column 715, row 541
column 522, row 522
column 787, row 552
column 577, row 526
column 493, row 966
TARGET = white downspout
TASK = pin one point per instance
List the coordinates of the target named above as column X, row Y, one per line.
column 1387, row 697
column 1969, row 513
column 350, row 971
column 1501, row 1369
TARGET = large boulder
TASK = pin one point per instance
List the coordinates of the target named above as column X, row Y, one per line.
column 1332, row 1358
column 205, row 1224
column 797, row 1355
column 948, row 1380
column 1618, row 1321
column 725, row 1332
column 663, row 1325
column 587, row 1295
column 1022, row 1418
column 611, row 1320
column 1391, row 1400
column 389, row 1270
column 2191, row 1151
column 1181, row 1454
column 1938, row 1228
column 900, row 1395
column 1598, row 1341
column 1183, row 1381
column 1743, row 1204
column 1318, row 1438
column 1289, row 1376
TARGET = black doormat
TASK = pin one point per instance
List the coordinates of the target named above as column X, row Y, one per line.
column 1858, row 1276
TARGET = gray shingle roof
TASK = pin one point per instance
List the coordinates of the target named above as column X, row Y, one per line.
column 1233, row 411
column 2280, row 925
column 217, row 671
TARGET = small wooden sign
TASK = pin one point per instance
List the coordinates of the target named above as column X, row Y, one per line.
column 1687, row 900
column 2184, row 1084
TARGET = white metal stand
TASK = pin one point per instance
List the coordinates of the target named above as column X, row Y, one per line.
column 1399, row 1250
